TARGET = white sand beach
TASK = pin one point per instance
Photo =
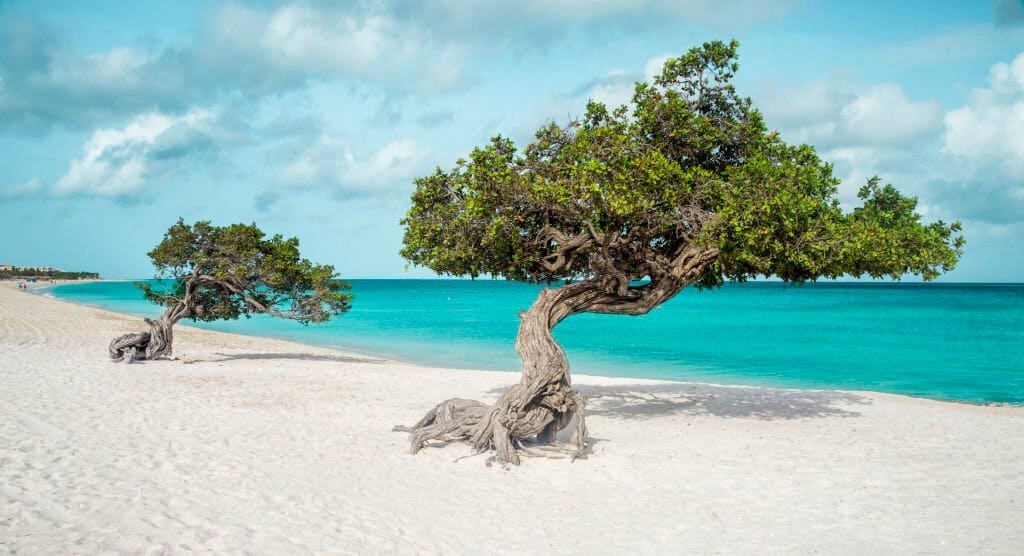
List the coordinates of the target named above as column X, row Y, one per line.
column 249, row 445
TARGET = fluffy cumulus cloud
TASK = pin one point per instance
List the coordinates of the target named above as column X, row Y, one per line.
column 265, row 50
column 834, row 113
column 983, row 148
column 120, row 162
column 330, row 163
column 883, row 115
column 988, row 133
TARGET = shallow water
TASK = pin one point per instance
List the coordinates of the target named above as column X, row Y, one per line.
column 948, row 341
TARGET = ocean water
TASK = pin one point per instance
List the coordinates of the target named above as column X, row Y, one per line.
column 946, row 341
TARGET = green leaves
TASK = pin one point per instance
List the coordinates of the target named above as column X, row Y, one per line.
column 233, row 271
column 622, row 191
column 887, row 237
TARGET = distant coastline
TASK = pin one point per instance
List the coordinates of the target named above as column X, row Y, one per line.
column 34, row 273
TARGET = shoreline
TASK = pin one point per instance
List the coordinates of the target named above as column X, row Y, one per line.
column 400, row 360
column 269, row 446
column 355, row 354
column 391, row 359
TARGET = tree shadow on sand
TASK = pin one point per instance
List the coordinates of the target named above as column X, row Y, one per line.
column 292, row 356
column 641, row 401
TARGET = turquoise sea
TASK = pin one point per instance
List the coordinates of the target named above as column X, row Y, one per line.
column 947, row 341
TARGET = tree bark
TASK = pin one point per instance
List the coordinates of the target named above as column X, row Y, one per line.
column 544, row 403
column 158, row 342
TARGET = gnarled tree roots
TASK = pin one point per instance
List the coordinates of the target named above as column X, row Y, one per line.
column 143, row 345
column 524, row 421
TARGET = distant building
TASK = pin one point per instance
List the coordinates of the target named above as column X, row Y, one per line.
column 6, row 267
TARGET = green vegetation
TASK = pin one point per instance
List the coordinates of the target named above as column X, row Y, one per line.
column 52, row 274
column 217, row 273
column 620, row 192
column 685, row 185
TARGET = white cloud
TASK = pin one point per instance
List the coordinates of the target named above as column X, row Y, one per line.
column 119, row 162
column 1008, row 79
column 806, row 111
column 396, row 160
column 117, row 69
column 988, row 133
column 331, row 163
column 883, row 115
column 301, row 38
column 617, row 86
column 832, row 113
column 654, row 66
column 295, row 42
column 613, row 90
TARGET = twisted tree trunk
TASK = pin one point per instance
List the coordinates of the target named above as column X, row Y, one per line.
column 544, row 403
column 158, row 342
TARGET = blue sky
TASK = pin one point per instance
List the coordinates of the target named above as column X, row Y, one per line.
column 312, row 118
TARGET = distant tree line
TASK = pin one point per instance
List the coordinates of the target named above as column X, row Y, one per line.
column 53, row 274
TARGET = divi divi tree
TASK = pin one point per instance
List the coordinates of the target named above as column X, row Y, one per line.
column 625, row 207
column 212, row 273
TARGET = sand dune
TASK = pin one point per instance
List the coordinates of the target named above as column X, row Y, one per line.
column 270, row 447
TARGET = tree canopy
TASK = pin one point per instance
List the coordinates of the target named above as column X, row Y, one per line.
column 618, row 194
column 225, row 272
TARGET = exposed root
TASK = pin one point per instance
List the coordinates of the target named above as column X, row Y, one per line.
column 129, row 347
column 528, row 432
column 143, row 345
column 453, row 419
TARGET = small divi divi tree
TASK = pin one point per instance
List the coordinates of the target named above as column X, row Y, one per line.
column 625, row 207
column 212, row 273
